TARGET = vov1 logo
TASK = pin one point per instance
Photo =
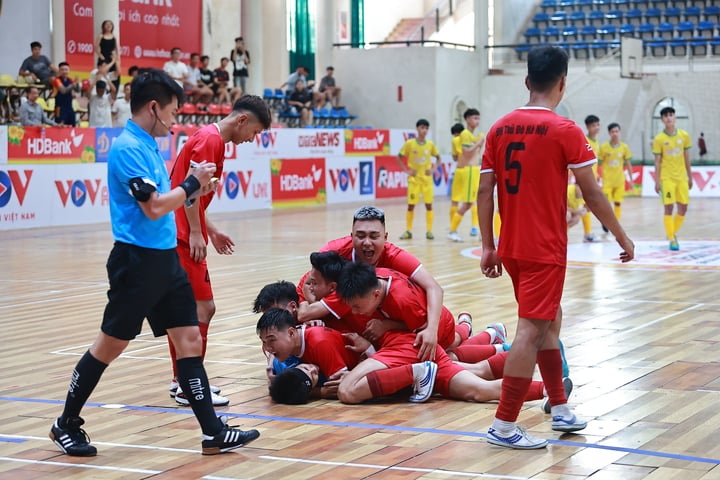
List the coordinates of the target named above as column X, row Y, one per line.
column 12, row 181
column 343, row 178
column 78, row 191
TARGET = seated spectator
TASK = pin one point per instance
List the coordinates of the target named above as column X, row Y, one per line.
column 174, row 67
column 121, row 108
column 193, row 85
column 301, row 73
column 14, row 102
column 328, row 90
column 31, row 112
column 37, row 68
column 133, row 71
column 63, row 91
column 207, row 76
column 301, row 101
column 101, row 103
column 222, row 89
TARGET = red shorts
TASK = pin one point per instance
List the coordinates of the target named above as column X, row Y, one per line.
column 397, row 350
column 197, row 273
column 538, row 287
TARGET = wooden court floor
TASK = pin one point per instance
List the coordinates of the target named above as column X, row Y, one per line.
column 642, row 344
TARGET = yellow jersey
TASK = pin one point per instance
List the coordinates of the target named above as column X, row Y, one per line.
column 671, row 149
column 419, row 155
column 595, row 145
column 468, row 139
column 456, row 149
column 574, row 201
column 612, row 161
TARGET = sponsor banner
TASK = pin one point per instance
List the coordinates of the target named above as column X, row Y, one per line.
column 243, row 187
column 50, row 145
column 147, row 27
column 367, row 142
column 349, row 179
column 442, row 176
column 79, row 39
column 390, row 179
column 398, row 137
column 104, row 138
column 296, row 182
column 3, row 144
column 53, row 195
column 633, row 186
column 294, row 143
column 706, row 182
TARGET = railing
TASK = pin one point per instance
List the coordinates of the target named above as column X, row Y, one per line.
column 407, row 43
column 441, row 10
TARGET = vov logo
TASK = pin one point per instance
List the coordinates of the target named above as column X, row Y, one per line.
column 343, row 178
column 79, row 191
column 12, row 181
column 233, row 183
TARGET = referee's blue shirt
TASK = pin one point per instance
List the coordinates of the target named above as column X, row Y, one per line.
column 135, row 154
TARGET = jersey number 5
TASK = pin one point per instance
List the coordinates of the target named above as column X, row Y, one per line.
column 510, row 164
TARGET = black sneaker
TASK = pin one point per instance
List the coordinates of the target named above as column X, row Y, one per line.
column 72, row 439
column 228, row 439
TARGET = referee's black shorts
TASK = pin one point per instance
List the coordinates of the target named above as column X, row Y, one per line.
column 146, row 283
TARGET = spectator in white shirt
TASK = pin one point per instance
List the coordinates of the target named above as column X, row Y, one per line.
column 101, row 104
column 121, row 107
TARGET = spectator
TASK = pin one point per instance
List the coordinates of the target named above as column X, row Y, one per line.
column 63, row 88
column 121, row 108
column 31, row 112
column 133, row 71
column 192, row 86
column 221, row 80
column 101, row 103
column 174, row 67
column 37, row 68
column 206, row 78
column 301, row 101
column 328, row 90
column 106, row 48
column 702, row 146
column 301, row 73
column 241, row 59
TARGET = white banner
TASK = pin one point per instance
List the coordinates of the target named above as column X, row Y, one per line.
column 350, row 179
column 3, row 144
column 295, row 143
column 244, row 185
column 706, row 182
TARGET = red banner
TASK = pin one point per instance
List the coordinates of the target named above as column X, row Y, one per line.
column 298, row 182
column 390, row 179
column 149, row 31
column 51, row 145
column 79, row 39
column 367, row 142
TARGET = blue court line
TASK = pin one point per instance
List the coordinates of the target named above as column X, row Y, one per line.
column 12, row 440
column 374, row 426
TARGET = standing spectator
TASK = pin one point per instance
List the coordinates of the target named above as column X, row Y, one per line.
column 31, row 112
column 63, row 87
column 37, row 68
column 301, row 100
column 702, row 146
column 528, row 154
column 106, row 48
column 174, row 67
column 101, row 92
column 241, row 59
column 121, row 108
column 328, row 90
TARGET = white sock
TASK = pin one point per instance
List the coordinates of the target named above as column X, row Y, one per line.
column 561, row 411
column 499, row 348
column 493, row 334
column 418, row 371
column 502, row 427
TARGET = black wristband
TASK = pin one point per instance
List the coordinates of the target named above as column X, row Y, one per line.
column 190, row 185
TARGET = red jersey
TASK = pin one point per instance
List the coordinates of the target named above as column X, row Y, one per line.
column 392, row 256
column 204, row 145
column 530, row 150
column 325, row 348
column 338, row 310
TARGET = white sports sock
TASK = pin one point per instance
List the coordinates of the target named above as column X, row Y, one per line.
column 502, row 427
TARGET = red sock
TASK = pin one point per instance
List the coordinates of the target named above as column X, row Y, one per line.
column 482, row 338
column 514, row 390
column 497, row 364
column 474, row 353
column 463, row 329
column 535, row 392
column 550, row 365
column 204, row 334
column 173, row 356
column 389, row 380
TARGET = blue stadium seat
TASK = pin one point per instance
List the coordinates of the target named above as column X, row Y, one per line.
column 541, row 19
column 596, row 17
column 634, row 16
column 570, row 33
column 685, row 28
column 549, row 5
column 621, row 4
column 646, row 31
column 641, row 4
column 599, row 48
column 603, row 5
column 698, row 46
column 712, row 13
column 607, row 32
column 627, row 30
column 551, row 34
column 706, row 28
column 558, row 18
column 588, row 32
column 577, row 18
column 522, row 51
column 652, row 14
column 658, row 47
column 692, row 14
column 584, row 5
column 615, row 16
column 658, row 3
column 672, row 14
column 532, row 35
column 678, row 46
column 715, row 45
column 665, row 30
column 580, row 50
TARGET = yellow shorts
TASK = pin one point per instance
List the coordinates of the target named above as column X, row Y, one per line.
column 573, row 202
column 615, row 194
column 466, row 182
column 420, row 186
column 675, row 192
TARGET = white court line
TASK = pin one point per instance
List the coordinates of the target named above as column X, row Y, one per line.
column 167, row 359
column 50, row 300
column 82, row 465
column 665, row 317
column 390, row 467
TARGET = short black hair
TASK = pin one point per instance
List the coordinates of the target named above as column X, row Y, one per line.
column 457, row 128
column 369, row 212
column 63, row 64
column 330, row 68
column 590, row 119
column 613, row 125
column 667, row 111
column 280, row 292
column 291, row 387
column 204, row 57
column 101, row 84
column 470, row 112
column 175, row 49
column 357, row 279
column 329, row 264
column 35, row 44
column 153, row 84
column 255, row 105
column 133, row 69
column 546, row 66
column 277, row 318
column 238, row 39
column 422, row 122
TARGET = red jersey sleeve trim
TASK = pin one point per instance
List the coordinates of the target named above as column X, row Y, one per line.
column 583, row 164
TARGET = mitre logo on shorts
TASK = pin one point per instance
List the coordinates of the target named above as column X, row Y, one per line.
column 320, row 139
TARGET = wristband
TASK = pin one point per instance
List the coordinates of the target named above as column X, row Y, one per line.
column 190, row 185
column 370, row 351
